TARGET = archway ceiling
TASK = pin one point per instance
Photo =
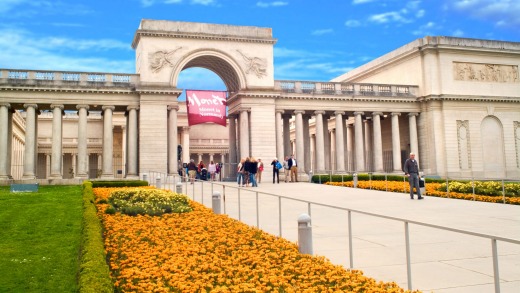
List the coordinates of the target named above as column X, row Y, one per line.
column 220, row 67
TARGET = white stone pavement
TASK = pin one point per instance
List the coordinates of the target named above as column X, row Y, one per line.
column 441, row 261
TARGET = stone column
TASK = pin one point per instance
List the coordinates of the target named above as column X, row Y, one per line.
column 74, row 161
column 396, row 142
column 57, row 142
column 306, row 142
column 199, row 158
column 5, row 152
column 350, row 147
column 132, row 141
column 320, row 142
column 232, row 144
column 368, row 146
column 287, row 148
column 340, row 146
column 173, row 163
column 359, row 150
column 108, row 143
column 326, row 140
column 82, row 141
column 279, row 135
column 29, row 164
column 414, row 144
column 378, row 142
column 47, row 165
column 185, row 144
column 300, row 155
column 244, row 133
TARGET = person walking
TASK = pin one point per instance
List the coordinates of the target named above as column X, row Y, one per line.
column 240, row 173
column 293, row 166
column 253, row 169
column 276, row 171
column 192, row 170
column 286, row 169
column 212, row 169
column 260, row 170
column 411, row 170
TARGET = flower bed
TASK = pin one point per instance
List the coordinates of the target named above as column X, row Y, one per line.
column 199, row 251
column 432, row 189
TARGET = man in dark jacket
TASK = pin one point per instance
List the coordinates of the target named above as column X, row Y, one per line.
column 411, row 169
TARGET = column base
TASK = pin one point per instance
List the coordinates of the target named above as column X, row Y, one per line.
column 81, row 176
column 107, row 176
column 133, row 177
column 28, row 177
column 55, row 177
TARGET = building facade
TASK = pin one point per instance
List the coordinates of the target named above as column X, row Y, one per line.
column 454, row 102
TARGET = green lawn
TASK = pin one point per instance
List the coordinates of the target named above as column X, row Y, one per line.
column 40, row 239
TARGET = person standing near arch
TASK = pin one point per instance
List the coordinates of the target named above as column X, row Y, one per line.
column 411, row 170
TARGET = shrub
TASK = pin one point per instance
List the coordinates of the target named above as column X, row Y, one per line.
column 153, row 202
column 119, row 183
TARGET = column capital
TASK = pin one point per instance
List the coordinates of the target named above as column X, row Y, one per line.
column 286, row 116
column 395, row 114
column 241, row 110
column 281, row 111
column 299, row 112
column 413, row 114
column 82, row 106
column 339, row 112
column 134, row 107
column 108, row 108
column 35, row 106
column 377, row 113
column 319, row 112
column 359, row 113
column 170, row 107
column 5, row 105
column 57, row 106
column 185, row 128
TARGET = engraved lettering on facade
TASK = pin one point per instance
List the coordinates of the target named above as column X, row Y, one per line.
column 159, row 59
column 485, row 72
column 256, row 65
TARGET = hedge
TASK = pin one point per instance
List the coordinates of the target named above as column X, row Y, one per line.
column 364, row 177
column 94, row 274
column 119, row 183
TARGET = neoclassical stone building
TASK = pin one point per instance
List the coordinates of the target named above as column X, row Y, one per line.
column 455, row 102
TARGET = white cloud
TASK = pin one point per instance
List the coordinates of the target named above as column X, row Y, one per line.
column 27, row 8
column 21, row 49
column 427, row 29
column 500, row 12
column 392, row 16
column 458, row 33
column 271, row 4
column 355, row 2
column 352, row 23
column 420, row 13
column 322, row 32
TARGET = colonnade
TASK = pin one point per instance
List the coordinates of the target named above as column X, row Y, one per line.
column 361, row 135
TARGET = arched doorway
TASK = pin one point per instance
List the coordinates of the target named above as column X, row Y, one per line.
column 493, row 158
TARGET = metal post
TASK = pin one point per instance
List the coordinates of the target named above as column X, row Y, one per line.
column 279, row 216
column 224, row 197
column 309, row 208
column 158, row 182
column 178, row 187
column 503, row 192
column 257, row 212
column 408, row 263
column 355, row 179
column 215, row 203
column 145, row 177
column 239, row 213
column 202, row 192
column 350, row 248
column 495, row 265
column 304, row 234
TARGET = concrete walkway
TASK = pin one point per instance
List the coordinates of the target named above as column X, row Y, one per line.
column 441, row 261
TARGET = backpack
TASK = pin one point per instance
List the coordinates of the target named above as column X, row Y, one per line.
column 278, row 165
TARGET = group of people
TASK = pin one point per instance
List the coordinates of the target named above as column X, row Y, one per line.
column 290, row 168
column 199, row 171
column 249, row 171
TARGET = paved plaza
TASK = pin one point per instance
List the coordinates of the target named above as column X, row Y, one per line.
column 441, row 260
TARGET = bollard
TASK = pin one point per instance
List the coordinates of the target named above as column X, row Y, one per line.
column 158, row 182
column 145, row 177
column 310, row 176
column 178, row 187
column 215, row 203
column 304, row 234
column 354, row 177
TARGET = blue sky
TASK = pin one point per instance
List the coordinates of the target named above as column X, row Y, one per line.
column 317, row 40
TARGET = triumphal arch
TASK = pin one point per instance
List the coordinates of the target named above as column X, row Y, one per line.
column 454, row 102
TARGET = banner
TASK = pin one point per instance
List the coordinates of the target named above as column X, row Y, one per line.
column 206, row 106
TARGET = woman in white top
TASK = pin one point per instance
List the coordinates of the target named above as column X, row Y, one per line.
column 212, row 169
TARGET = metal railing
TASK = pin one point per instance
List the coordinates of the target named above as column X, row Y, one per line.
column 170, row 182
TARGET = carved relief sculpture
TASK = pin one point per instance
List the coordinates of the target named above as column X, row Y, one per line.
column 485, row 72
column 516, row 128
column 464, row 144
column 256, row 65
column 159, row 59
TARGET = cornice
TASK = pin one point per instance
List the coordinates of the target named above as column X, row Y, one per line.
column 178, row 35
column 470, row 98
column 68, row 90
column 409, row 99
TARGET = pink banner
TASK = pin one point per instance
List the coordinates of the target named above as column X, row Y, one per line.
column 206, row 106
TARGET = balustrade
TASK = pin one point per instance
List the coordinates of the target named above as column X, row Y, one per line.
column 56, row 78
